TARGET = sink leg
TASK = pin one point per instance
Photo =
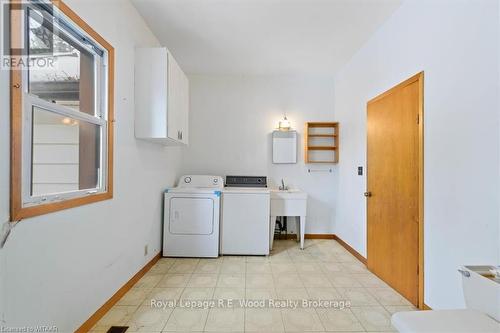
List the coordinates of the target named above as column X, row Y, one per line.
column 297, row 227
column 302, row 231
column 272, row 225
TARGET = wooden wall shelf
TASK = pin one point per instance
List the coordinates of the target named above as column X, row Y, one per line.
column 322, row 142
column 321, row 148
column 322, row 135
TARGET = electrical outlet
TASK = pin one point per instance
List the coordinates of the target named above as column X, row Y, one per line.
column 146, row 250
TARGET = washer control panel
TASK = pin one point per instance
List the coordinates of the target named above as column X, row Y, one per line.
column 246, row 181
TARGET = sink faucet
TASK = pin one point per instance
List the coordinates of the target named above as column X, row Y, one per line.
column 283, row 187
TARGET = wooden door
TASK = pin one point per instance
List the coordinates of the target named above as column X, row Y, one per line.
column 394, row 191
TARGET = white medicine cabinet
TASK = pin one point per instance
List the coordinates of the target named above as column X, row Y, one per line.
column 284, row 147
column 161, row 97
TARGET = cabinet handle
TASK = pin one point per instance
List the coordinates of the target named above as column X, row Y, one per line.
column 181, row 135
column 178, row 135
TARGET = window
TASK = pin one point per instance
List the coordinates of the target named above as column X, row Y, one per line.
column 62, row 94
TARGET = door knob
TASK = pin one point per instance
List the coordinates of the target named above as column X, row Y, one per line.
column 368, row 194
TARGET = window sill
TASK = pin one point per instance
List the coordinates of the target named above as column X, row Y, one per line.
column 20, row 213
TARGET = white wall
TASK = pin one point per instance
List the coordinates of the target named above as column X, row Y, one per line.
column 57, row 269
column 455, row 43
column 231, row 121
column 499, row 120
column 4, row 178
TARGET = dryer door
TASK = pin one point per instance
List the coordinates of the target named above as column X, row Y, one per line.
column 191, row 216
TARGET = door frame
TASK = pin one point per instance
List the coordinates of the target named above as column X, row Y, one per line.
column 419, row 77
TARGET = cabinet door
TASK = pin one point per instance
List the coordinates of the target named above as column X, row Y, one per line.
column 174, row 99
column 151, row 86
column 184, row 108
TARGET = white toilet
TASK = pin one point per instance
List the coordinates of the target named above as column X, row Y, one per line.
column 482, row 298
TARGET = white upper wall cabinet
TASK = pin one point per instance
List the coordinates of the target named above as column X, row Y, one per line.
column 161, row 97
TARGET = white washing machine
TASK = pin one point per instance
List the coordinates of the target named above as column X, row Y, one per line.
column 245, row 216
column 191, row 217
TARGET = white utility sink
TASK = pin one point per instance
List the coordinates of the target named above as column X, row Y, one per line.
column 291, row 202
column 292, row 194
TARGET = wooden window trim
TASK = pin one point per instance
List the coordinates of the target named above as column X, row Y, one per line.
column 17, row 211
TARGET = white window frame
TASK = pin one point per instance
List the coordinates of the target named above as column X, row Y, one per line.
column 29, row 101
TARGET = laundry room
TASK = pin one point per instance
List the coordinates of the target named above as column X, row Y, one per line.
column 249, row 166
column 254, row 159
column 217, row 114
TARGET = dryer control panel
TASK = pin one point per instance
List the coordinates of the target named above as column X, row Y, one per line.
column 203, row 181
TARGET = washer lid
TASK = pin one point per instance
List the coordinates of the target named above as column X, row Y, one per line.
column 198, row 190
column 247, row 190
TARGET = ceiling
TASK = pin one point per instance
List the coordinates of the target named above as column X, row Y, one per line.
column 264, row 36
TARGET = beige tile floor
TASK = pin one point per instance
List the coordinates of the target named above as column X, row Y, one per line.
column 323, row 271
